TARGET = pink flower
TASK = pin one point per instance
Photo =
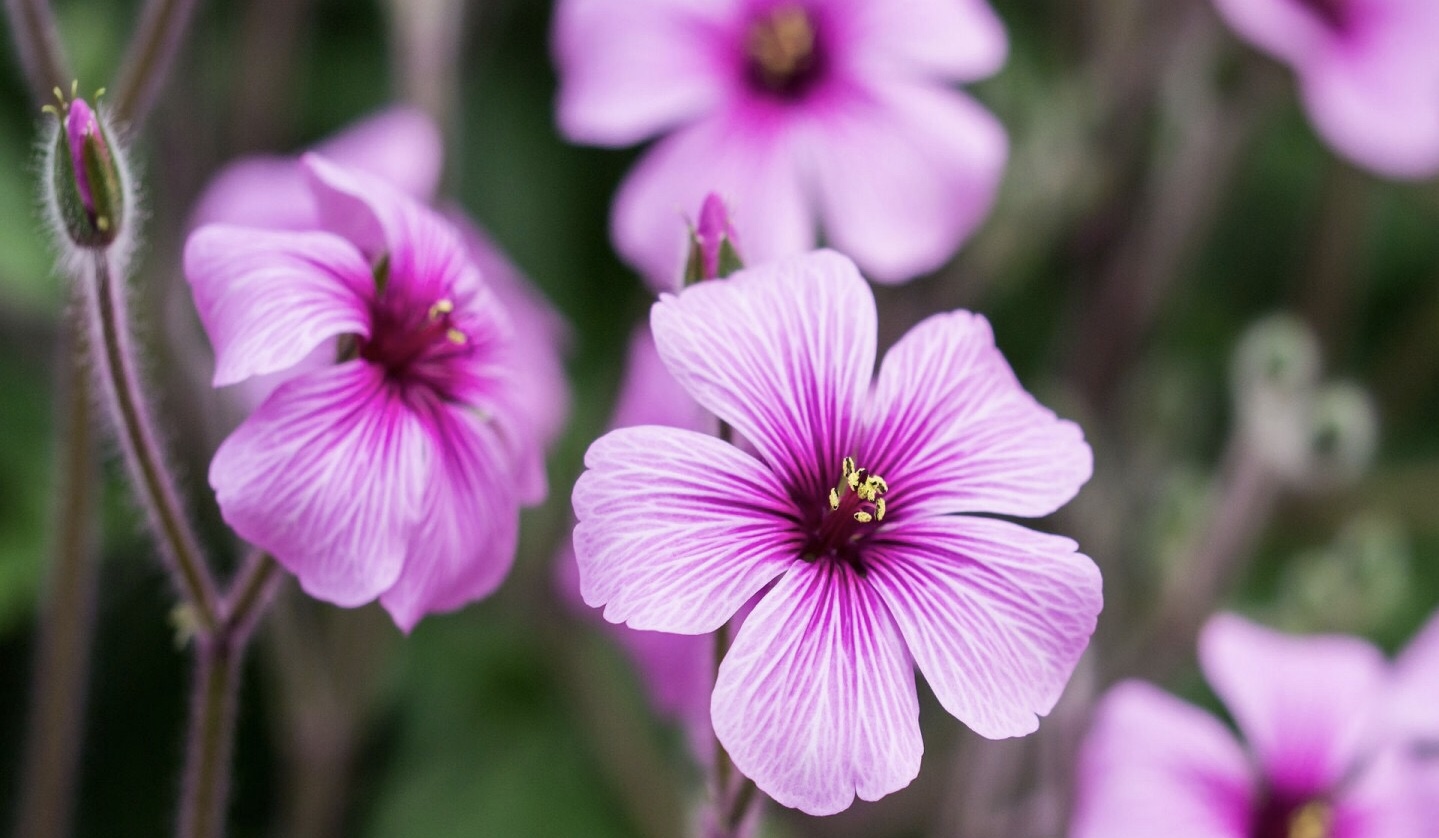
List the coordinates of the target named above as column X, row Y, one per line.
column 403, row 147
column 794, row 111
column 1314, row 763
column 1368, row 71
column 399, row 471
column 864, row 576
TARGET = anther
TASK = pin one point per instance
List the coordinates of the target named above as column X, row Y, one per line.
column 456, row 337
column 442, row 307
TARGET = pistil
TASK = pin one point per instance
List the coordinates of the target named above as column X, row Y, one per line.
column 782, row 51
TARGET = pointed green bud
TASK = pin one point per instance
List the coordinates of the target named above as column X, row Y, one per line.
column 88, row 192
column 713, row 252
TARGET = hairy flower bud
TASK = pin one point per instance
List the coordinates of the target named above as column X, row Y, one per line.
column 88, row 195
column 713, row 244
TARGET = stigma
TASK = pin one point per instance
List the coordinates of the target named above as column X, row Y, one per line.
column 782, row 51
column 1314, row 819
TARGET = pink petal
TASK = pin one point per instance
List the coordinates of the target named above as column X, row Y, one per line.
column 815, row 701
column 1416, row 687
column 262, row 191
column 535, row 355
column 649, row 395
column 1378, row 107
column 630, row 69
column 958, row 40
column 329, row 475
column 905, row 174
column 1391, row 794
column 464, row 543
column 1306, row 705
column 783, row 353
column 1287, row 29
column 995, row 615
column 427, row 258
column 952, row 429
column 749, row 164
column 677, row 529
column 267, row 299
column 1153, row 765
column 399, row 145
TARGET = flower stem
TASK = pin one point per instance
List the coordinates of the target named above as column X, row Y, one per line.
column 212, row 705
column 120, row 383
column 37, row 40
column 57, row 705
column 152, row 51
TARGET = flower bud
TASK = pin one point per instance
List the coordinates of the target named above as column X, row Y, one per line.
column 713, row 244
column 88, row 193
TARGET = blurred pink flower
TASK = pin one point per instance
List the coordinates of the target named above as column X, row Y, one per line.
column 1316, row 760
column 678, row 670
column 1368, row 72
column 863, row 579
column 794, row 111
column 399, row 471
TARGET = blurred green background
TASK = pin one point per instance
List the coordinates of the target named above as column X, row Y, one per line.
column 1163, row 185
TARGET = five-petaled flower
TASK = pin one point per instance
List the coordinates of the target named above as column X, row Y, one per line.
column 1368, row 71
column 1320, row 758
column 794, row 111
column 397, row 472
column 853, row 514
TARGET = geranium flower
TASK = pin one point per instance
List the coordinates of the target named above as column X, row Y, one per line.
column 397, row 472
column 1313, row 764
column 1367, row 71
column 794, row 111
column 854, row 513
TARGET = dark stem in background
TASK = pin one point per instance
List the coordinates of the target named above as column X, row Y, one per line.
column 218, row 655
column 1245, row 499
column 120, row 381
column 66, row 612
column 1181, row 200
column 37, row 41
column 151, row 53
column 1326, row 293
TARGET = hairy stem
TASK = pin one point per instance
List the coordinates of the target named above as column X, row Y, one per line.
column 151, row 53
column 218, row 655
column 37, row 40
column 57, row 704
column 120, row 381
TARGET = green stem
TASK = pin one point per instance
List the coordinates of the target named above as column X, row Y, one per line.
column 151, row 53
column 57, row 706
column 37, row 40
column 120, row 377
column 212, row 729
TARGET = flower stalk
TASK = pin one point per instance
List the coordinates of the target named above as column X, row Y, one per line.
column 121, row 385
column 152, row 51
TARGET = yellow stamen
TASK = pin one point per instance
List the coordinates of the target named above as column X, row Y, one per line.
column 863, row 517
column 879, row 509
column 456, row 337
column 440, row 308
column 834, row 499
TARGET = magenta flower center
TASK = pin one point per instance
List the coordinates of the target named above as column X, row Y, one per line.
column 1280, row 818
column 1334, row 13
column 400, row 341
column 782, row 52
column 855, row 505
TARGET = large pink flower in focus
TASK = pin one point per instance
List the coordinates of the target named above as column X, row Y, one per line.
column 399, row 471
column 1368, row 71
column 1315, row 763
column 796, row 111
column 855, row 516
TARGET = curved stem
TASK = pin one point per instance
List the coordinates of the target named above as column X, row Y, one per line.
column 37, row 40
column 152, row 51
column 120, row 382
column 57, row 705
